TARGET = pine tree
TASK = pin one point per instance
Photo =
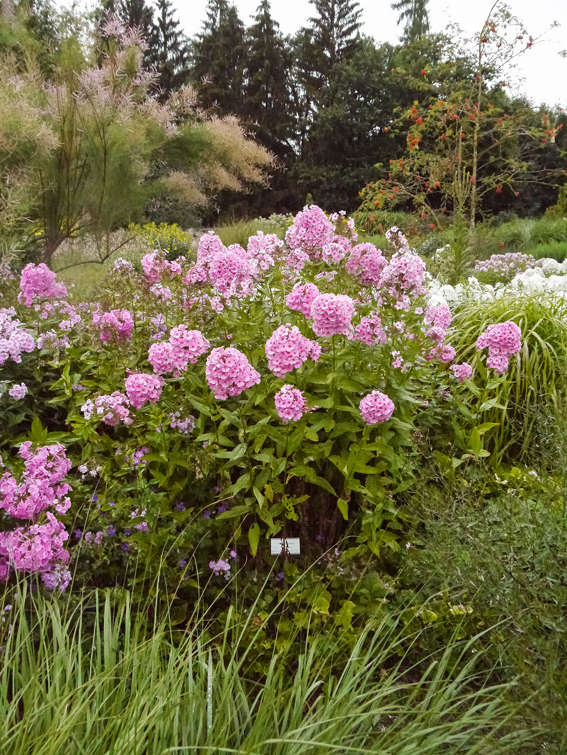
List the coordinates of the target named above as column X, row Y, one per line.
column 267, row 93
column 169, row 51
column 415, row 16
column 334, row 33
column 218, row 59
column 136, row 13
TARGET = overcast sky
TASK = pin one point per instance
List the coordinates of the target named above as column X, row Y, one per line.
column 543, row 70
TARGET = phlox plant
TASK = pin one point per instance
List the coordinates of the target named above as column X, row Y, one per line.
column 276, row 387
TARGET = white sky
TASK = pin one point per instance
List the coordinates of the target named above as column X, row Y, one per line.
column 543, row 71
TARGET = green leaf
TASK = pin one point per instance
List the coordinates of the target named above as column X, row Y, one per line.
column 234, row 512
column 254, row 538
column 343, row 508
column 203, row 408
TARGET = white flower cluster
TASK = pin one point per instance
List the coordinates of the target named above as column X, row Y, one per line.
column 550, row 278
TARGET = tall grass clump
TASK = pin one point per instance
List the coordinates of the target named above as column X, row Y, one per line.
column 519, row 236
column 88, row 677
column 535, row 384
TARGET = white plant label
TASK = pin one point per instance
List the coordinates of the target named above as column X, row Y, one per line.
column 281, row 545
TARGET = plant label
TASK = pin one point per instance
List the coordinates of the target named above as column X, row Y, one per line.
column 281, row 545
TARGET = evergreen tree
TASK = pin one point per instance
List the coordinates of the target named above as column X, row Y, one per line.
column 334, row 33
column 219, row 59
column 267, row 100
column 415, row 17
column 137, row 14
column 168, row 51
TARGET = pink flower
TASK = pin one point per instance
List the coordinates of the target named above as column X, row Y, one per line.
column 118, row 323
column 184, row 346
column 333, row 252
column 141, row 387
column 229, row 372
column 404, row 275
column 376, row 407
column 332, row 314
column 290, row 404
column 38, row 282
column 209, row 246
column 366, row 263
column 17, row 392
column 310, row 231
column 154, row 266
column 462, row 371
column 369, row 330
column 503, row 340
column 302, row 297
column 112, row 409
column 287, row 350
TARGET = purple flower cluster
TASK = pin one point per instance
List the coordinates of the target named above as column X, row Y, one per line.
column 332, row 314
column 287, row 350
column 229, row 372
column 142, row 387
column 503, row 340
column 112, row 409
column 376, row 407
column 290, row 404
column 507, row 265
column 184, row 426
column 37, row 283
column 220, row 568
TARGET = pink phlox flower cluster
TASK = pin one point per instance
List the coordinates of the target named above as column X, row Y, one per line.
column 163, row 293
column 302, row 297
column 220, row 568
column 444, row 352
column 290, row 403
column 462, row 371
column 14, row 339
column 154, row 265
column 438, row 316
column 57, row 578
column 397, row 238
column 263, row 248
column 310, row 231
column 335, row 251
column 366, row 264
column 229, row 372
column 293, row 262
column 209, row 246
column 111, row 409
column 184, row 425
column 184, row 346
column 41, row 485
column 376, row 407
column 404, row 276
column 197, row 274
column 37, row 548
column 38, row 282
column 142, row 387
column 230, row 272
column 287, row 349
column 503, row 340
column 17, row 392
column 370, row 331
column 507, row 264
column 332, row 314
column 118, row 324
